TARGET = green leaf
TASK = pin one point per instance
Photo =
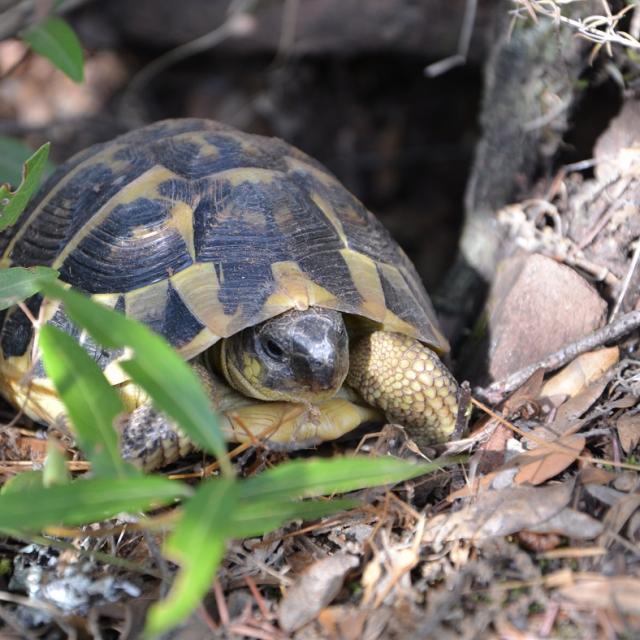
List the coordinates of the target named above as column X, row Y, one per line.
column 198, row 545
column 12, row 203
column 57, row 41
column 13, row 154
column 55, row 469
column 154, row 365
column 257, row 518
column 91, row 402
column 85, row 500
column 316, row 477
column 17, row 284
column 23, row 482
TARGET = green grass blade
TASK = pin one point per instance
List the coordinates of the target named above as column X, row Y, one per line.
column 198, row 545
column 17, row 284
column 85, row 500
column 54, row 39
column 55, row 470
column 22, row 482
column 154, row 365
column 257, row 518
column 316, row 477
column 91, row 402
column 12, row 203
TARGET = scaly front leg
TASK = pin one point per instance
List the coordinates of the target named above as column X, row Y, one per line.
column 408, row 382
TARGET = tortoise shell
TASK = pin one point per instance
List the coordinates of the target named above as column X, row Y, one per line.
column 200, row 230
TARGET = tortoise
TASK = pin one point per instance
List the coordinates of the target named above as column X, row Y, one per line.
column 297, row 308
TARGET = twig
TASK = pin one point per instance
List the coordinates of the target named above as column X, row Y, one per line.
column 497, row 391
column 464, row 40
column 600, row 29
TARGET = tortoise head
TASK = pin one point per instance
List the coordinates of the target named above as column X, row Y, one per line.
column 297, row 356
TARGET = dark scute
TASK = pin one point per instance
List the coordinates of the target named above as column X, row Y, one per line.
column 247, row 228
column 246, row 283
column 18, row 330
column 404, row 307
column 215, row 199
column 183, row 156
column 74, row 204
column 231, row 155
column 180, row 325
column 46, row 186
column 178, row 190
column 179, row 156
column 171, row 319
column 329, row 270
column 112, row 258
column 236, row 229
column 364, row 231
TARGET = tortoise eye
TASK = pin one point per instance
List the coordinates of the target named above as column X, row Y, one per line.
column 273, row 349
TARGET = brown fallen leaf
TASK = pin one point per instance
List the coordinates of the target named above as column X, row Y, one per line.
column 499, row 513
column 491, row 452
column 596, row 475
column 313, row 590
column 350, row 623
column 571, row 523
column 618, row 515
column 581, row 372
column 628, row 427
column 540, row 464
column 532, row 467
column 618, row 593
column 567, row 417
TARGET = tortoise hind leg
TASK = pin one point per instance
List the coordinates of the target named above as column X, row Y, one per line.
column 408, row 382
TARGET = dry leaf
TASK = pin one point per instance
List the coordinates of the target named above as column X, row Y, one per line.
column 532, row 467
column 540, row 464
column 618, row 593
column 499, row 513
column 618, row 515
column 567, row 417
column 596, row 475
column 314, row 590
column 349, row 623
column 528, row 391
column 581, row 372
column 571, row 523
column 628, row 431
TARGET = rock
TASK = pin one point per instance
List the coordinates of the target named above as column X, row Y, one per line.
column 617, row 148
column 537, row 306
